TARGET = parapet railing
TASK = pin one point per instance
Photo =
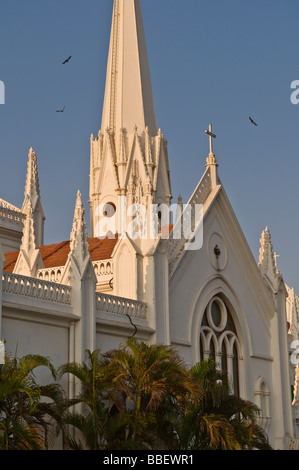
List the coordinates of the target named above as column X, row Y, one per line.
column 121, row 306
column 103, row 269
column 36, row 288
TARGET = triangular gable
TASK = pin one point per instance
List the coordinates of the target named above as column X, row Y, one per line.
column 107, row 175
column 220, row 219
column 136, row 154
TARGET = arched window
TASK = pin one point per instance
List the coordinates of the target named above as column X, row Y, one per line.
column 219, row 341
column 262, row 400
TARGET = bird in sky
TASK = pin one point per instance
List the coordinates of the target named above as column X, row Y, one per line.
column 67, row 60
column 252, row 121
column 60, row 110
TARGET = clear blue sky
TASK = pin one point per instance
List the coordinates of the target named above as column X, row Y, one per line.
column 211, row 61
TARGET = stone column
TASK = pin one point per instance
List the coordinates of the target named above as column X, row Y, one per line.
column 83, row 304
column 79, row 274
column 162, row 295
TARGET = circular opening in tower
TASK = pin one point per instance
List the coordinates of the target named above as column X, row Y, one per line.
column 109, row 209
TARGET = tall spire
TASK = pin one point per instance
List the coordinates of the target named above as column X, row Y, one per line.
column 79, row 256
column 128, row 97
column 28, row 240
column 32, row 181
column 29, row 259
column 129, row 156
column 79, row 243
column 267, row 261
column 32, row 192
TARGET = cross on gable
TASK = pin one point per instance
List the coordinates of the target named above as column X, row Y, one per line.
column 212, row 136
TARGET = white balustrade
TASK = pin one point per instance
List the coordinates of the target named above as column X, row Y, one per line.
column 50, row 274
column 120, row 305
column 54, row 292
column 36, row 288
column 103, row 268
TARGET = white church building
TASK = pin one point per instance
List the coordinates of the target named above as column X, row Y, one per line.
column 199, row 290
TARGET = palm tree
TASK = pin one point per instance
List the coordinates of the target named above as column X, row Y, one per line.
column 152, row 380
column 143, row 397
column 222, row 421
column 24, row 419
column 91, row 407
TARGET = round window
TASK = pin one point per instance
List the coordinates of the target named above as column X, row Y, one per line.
column 217, row 314
column 109, row 209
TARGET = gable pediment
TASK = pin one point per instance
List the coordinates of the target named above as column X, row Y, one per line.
column 225, row 251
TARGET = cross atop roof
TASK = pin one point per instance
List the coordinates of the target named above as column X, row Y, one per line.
column 212, row 136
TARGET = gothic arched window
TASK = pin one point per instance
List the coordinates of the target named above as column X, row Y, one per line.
column 219, row 341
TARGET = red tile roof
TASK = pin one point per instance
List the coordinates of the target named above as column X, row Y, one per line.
column 10, row 261
column 56, row 255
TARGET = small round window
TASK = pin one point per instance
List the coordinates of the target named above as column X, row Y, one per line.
column 109, row 209
column 217, row 315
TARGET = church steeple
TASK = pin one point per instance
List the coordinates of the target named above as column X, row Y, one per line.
column 128, row 97
column 129, row 158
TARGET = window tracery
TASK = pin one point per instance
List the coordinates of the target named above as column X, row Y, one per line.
column 219, row 340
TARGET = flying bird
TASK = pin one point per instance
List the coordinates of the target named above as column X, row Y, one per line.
column 252, row 121
column 60, row 110
column 67, row 60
